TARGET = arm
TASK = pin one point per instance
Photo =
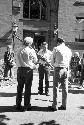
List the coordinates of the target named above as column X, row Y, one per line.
column 53, row 57
column 35, row 59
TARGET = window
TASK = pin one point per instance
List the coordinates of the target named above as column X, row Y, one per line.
column 34, row 9
column 79, row 3
column 79, row 29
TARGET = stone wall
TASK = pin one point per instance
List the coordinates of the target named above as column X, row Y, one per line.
column 66, row 20
column 5, row 24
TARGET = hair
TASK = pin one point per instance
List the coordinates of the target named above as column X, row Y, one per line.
column 44, row 43
column 59, row 40
column 76, row 53
column 9, row 46
column 28, row 40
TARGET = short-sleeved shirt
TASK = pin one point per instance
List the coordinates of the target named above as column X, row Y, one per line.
column 46, row 55
column 61, row 56
column 28, row 56
column 8, row 58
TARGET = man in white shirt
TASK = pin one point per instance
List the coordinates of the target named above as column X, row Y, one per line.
column 26, row 59
column 61, row 57
column 44, row 67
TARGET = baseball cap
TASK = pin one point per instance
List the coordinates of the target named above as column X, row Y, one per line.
column 28, row 40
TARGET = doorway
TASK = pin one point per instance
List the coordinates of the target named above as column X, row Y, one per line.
column 38, row 37
column 38, row 40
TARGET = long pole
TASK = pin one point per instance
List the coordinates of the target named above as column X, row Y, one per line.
column 12, row 27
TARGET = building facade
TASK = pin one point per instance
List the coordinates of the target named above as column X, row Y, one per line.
column 71, row 23
column 40, row 19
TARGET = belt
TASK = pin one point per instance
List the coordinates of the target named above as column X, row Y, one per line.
column 28, row 68
column 61, row 67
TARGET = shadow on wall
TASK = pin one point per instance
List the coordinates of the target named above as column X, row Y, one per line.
column 4, row 41
column 6, row 38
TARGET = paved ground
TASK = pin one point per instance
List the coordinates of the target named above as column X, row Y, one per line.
column 40, row 115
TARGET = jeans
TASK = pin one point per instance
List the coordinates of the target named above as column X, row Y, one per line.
column 24, row 77
column 60, row 76
column 43, row 70
column 9, row 71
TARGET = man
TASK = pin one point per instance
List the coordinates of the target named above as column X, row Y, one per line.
column 26, row 59
column 9, row 62
column 61, row 56
column 44, row 56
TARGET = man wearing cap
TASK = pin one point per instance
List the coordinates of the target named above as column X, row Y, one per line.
column 44, row 68
column 26, row 59
column 61, row 57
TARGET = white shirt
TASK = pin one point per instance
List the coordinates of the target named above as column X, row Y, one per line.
column 61, row 56
column 45, row 54
column 26, row 57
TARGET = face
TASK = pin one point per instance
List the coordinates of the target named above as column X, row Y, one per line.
column 45, row 47
column 9, row 49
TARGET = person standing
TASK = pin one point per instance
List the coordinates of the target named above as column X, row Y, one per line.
column 44, row 56
column 9, row 62
column 82, row 73
column 61, row 57
column 26, row 59
column 75, row 66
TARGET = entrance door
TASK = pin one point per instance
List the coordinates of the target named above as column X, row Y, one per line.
column 38, row 40
column 27, row 33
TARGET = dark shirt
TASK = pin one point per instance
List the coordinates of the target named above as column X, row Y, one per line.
column 74, row 62
column 8, row 58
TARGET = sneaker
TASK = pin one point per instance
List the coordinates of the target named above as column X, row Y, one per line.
column 62, row 108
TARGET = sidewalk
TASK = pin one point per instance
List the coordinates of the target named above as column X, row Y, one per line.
column 40, row 115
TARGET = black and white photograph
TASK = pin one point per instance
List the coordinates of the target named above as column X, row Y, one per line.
column 41, row 62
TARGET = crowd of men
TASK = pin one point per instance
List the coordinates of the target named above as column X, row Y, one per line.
column 60, row 60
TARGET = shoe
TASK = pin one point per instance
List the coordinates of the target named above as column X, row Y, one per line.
column 80, row 87
column 46, row 93
column 52, row 109
column 62, row 108
column 40, row 92
column 19, row 108
column 28, row 108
